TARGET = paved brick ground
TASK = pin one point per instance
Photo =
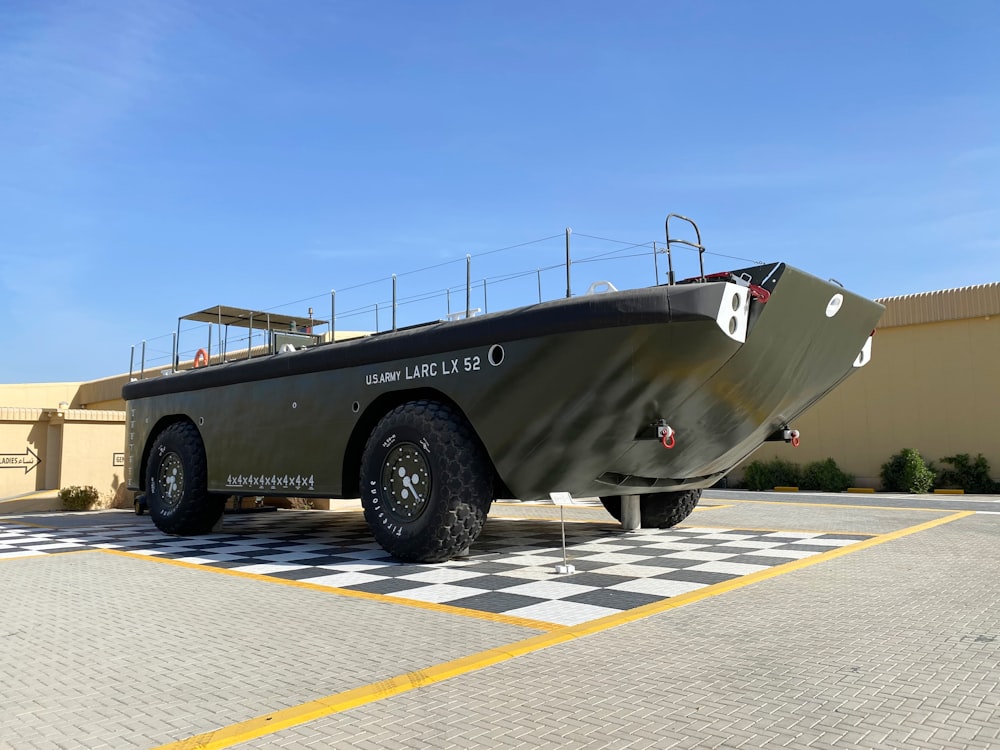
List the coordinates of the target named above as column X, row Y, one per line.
column 100, row 651
column 811, row 517
column 894, row 646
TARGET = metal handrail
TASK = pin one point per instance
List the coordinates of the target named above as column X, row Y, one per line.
column 698, row 246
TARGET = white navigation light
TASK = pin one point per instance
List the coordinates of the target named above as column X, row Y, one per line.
column 865, row 355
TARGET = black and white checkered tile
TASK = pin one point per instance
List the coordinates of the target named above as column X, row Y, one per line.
column 510, row 569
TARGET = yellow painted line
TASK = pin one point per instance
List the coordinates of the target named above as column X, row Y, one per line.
column 431, row 606
column 949, row 492
column 270, row 723
column 837, row 505
column 25, row 557
column 54, row 553
column 30, row 496
column 865, row 490
column 702, row 509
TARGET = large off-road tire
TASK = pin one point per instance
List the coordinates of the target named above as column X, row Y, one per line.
column 176, row 483
column 426, row 482
column 659, row 510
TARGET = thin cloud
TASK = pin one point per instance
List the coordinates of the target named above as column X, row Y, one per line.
column 976, row 155
column 73, row 74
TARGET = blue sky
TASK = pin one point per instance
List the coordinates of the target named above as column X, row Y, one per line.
column 157, row 158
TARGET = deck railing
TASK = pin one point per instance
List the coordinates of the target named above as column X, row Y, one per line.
column 384, row 304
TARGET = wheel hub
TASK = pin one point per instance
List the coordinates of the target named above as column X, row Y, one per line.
column 406, row 482
column 170, row 478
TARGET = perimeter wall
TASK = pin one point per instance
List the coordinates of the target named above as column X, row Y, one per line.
column 933, row 384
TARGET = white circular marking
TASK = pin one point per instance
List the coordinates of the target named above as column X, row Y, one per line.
column 495, row 355
column 834, row 305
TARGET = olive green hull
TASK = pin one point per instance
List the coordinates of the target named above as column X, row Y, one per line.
column 565, row 396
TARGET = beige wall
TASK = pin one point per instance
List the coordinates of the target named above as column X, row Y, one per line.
column 34, row 395
column 60, row 449
column 91, row 448
column 22, row 430
column 105, row 393
column 933, row 386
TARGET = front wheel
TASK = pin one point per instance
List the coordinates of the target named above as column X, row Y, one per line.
column 658, row 510
column 426, row 482
column 176, row 483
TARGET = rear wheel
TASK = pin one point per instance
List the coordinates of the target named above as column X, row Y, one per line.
column 176, row 483
column 426, row 482
column 659, row 510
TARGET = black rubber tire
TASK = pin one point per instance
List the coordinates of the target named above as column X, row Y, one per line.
column 659, row 510
column 425, row 444
column 176, row 483
column 139, row 506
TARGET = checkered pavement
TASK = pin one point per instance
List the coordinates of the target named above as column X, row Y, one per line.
column 510, row 570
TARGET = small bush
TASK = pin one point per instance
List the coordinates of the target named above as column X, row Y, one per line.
column 766, row 475
column 966, row 474
column 907, row 472
column 825, row 476
column 79, row 498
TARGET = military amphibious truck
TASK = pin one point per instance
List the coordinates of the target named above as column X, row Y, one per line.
column 654, row 392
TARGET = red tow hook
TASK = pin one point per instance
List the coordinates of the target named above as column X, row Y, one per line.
column 759, row 293
column 792, row 436
column 666, row 434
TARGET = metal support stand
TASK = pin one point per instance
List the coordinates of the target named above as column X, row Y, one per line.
column 631, row 515
column 563, row 499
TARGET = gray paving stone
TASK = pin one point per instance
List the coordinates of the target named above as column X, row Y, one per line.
column 97, row 646
column 898, row 644
column 883, row 647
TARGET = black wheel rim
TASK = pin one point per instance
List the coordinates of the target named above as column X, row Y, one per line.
column 170, row 480
column 406, row 482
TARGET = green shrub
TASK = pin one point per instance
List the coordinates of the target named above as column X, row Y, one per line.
column 825, row 476
column 78, row 498
column 907, row 472
column 966, row 474
column 766, row 475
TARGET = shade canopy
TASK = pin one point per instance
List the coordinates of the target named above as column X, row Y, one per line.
column 241, row 318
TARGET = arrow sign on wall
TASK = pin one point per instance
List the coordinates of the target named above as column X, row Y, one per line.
column 27, row 460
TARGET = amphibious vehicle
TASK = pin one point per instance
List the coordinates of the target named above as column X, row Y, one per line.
column 654, row 392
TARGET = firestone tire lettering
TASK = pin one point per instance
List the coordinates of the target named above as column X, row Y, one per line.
column 430, row 489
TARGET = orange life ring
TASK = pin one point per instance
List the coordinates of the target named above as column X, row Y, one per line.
column 201, row 358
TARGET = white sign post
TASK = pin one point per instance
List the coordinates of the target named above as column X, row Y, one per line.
column 563, row 499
